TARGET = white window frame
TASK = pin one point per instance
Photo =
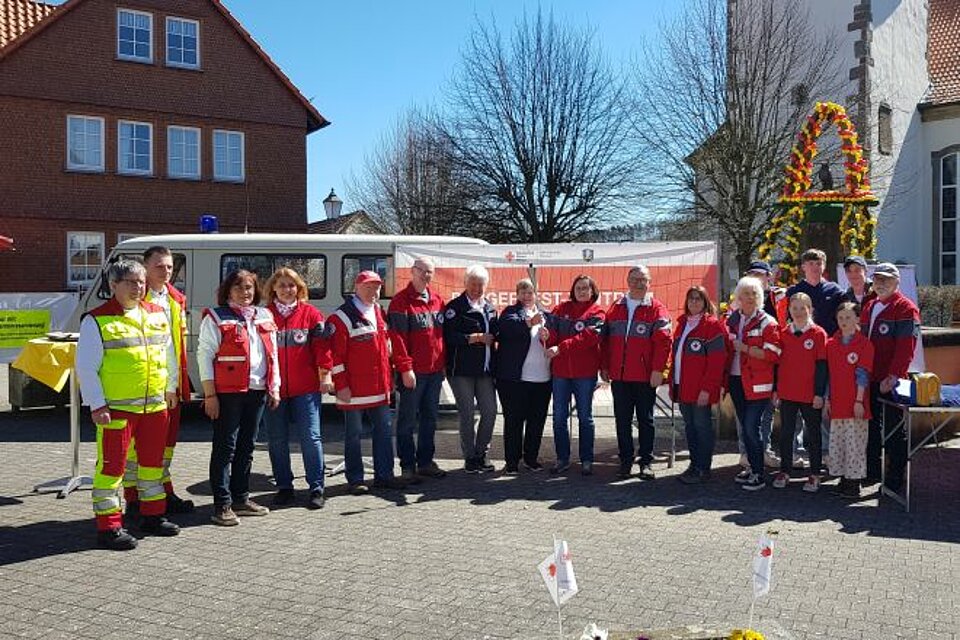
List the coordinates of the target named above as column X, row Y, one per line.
column 243, row 156
column 954, row 219
column 128, row 236
column 120, row 168
column 86, row 167
column 96, row 267
column 166, row 43
column 135, row 58
column 185, row 176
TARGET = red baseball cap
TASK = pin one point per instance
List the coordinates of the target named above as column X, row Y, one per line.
column 368, row 276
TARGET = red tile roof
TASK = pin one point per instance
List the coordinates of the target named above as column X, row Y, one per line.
column 18, row 16
column 943, row 51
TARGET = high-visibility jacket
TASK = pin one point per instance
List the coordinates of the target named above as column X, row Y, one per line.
column 301, row 349
column 632, row 349
column 702, row 360
column 133, row 372
column 843, row 360
column 575, row 330
column 178, row 331
column 231, row 365
column 360, row 353
column 756, row 374
column 894, row 335
column 416, row 330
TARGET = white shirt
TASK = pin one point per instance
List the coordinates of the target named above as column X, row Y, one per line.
column 90, row 358
column 366, row 310
column 735, row 365
column 878, row 308
column 208, row 344
column 536, row 367
column 692, row 323
column 478, row 305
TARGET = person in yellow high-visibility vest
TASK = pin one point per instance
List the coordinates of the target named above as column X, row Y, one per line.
column 127, row 369
column 158, row 261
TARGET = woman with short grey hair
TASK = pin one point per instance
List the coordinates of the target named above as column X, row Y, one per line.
column 470, row 326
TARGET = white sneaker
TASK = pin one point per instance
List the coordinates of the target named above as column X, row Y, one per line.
column 771, row 459
column 799, row 462
column 812, row 485
column 753, row 483
column 780, row 480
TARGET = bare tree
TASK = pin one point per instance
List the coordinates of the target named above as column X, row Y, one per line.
column 539, row 125
column 719, row 101
column 412, row 184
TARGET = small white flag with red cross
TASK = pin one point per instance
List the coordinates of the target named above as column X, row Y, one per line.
column 557, row 573
column 762, row 566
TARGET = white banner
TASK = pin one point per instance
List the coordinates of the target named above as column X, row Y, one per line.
column 24, row 316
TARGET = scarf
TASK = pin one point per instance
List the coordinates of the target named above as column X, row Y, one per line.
column 285, row 309
column 248, row 311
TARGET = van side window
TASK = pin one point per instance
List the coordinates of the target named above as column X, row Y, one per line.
column 179, row 277
column 354, row 264
column 312, row 268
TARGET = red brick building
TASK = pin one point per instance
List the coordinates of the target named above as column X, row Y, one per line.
column 137, row 117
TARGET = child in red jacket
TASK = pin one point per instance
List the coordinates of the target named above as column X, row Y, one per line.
column 801, row 386
column 850, row 361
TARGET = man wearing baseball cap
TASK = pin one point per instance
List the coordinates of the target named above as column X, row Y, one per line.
column 892, row 323
column 362, row 376
column 861, row 287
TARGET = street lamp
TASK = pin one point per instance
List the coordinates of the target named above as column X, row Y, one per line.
column 332, row 205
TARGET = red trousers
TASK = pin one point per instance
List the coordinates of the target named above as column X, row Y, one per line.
column 130, row 476
column 148, row 431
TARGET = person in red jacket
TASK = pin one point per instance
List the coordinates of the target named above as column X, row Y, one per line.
column 574, row 352
column 849, row 360
column 362, row 372
column 304, row 360
column 756, row 350
column 635, row 347
column 415, row 317
column 892, row 323
column 801, row 386
column 696, row 378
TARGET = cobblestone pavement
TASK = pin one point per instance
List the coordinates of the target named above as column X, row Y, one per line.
column 456, row 558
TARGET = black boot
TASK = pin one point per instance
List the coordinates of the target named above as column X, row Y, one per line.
column 841, row 489
column 116, row 540
column 158, row 526
column 853, row 489
column 176, row 504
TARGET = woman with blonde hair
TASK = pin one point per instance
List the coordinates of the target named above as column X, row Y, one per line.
column 304, row 360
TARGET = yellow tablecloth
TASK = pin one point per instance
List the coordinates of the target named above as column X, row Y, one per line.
column 47, row 361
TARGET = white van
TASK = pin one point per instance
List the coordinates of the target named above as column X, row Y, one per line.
column 328, row 264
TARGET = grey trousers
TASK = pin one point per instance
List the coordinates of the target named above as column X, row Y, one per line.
column 474, row 392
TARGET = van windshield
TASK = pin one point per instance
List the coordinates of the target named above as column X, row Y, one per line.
column 312, row 268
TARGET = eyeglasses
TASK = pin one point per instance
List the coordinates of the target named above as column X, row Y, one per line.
column 136, row 283
column 427, row 272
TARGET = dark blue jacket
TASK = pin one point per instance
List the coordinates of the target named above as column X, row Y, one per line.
column 513, row 342
column 826, row 297
column 459, row 321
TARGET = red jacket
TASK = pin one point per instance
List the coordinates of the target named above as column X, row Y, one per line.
column 416, row 331
column 842, row 362
column 231, row 365
column 632, row 358
column 795, row 379
column 894, row 336
column 702, row 361
column 575, row 330
column 301, row 349
column 756, row 374
column 360, row 354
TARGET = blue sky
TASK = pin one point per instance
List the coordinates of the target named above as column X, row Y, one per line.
column 363, row 63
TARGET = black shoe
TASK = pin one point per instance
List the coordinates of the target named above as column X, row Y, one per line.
column 391, row 483
column 511, row 470
column 116, row 540
column 158, row 526
column 852, row 489
column 283, row 497
column 646, row 472
column 485, row 467
column 841, row 488
column 132, row 511
column 471, row 466
column 532, row 466
column 624, row 471
column 870, row 481
column 316, row 500
column 176, row 504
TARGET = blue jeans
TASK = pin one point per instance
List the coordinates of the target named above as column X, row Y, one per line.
column 766, row 428
column 303, row 414
column 749, row 413
column 234, row 433
column 417, row 409
column 382, row 443
column 698, row 424
column 581, row 389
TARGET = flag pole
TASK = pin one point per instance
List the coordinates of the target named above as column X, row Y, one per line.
column 750, row 622
column 559, row 613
